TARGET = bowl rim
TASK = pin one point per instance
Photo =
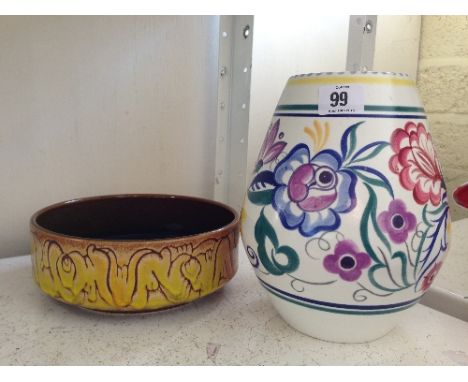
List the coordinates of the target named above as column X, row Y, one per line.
column 35, row 226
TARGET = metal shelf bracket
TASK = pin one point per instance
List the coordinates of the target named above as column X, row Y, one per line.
column 361, row 43
column 234, row 72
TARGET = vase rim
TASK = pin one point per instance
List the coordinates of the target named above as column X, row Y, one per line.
column 369, row 73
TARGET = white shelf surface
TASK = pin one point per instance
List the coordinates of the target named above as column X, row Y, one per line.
column 235, row 326
column 453, row 275
column 449, row 293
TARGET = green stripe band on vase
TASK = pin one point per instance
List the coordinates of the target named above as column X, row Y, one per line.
column 401, row 109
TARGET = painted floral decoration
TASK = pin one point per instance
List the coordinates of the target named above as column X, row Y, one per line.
column 270, row 149
column 310, row 193
column 311, row 188
column 416, row 164
column 253, row 258
column 397, row 222
column 429, row 278
column 347, row 261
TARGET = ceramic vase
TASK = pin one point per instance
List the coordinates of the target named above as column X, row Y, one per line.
column 346, row 219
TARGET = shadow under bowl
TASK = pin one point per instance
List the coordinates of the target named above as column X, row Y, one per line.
column 134, row 253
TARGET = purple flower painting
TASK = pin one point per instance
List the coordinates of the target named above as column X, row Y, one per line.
column 347, row 261
column 270, row 149
column 397, row 222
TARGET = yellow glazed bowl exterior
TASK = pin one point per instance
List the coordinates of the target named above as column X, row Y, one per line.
column 133, row 276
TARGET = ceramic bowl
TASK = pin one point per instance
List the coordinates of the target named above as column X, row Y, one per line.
column 460, row 195
column 134, row 253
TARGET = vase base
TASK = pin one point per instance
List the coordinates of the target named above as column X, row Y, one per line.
column 336, row 327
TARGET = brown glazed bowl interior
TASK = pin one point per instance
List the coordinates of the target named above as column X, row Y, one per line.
column 132, row 253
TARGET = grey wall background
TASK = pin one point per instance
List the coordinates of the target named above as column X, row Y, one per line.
column 103, row 105
column 443, row 82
